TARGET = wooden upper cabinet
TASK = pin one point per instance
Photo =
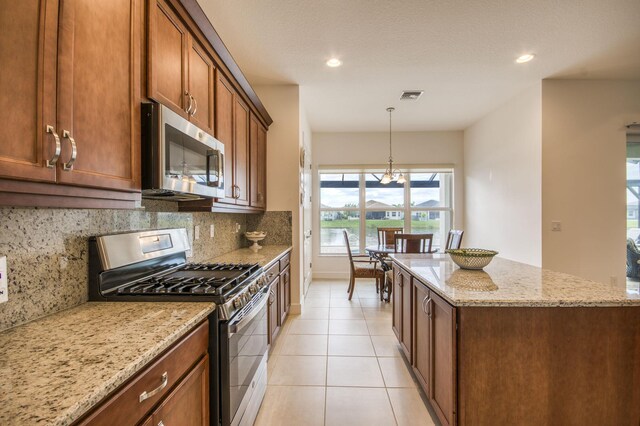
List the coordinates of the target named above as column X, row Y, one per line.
column 99, row 93
column 181, row 72
column 167, row 62
column 224, row 131
column 28, row 88
column 241, row 151
column 258, row 163
column 201, row 86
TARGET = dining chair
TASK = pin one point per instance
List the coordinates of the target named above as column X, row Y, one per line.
column 387, row 236
column 362, row 266
column 454, row 239
column 414, row 243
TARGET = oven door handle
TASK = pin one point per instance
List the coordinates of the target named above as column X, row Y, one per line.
column 237, row 327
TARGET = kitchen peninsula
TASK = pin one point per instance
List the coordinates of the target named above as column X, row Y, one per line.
column 517, row 344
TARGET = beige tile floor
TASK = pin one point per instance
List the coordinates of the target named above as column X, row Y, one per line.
column 339, row 363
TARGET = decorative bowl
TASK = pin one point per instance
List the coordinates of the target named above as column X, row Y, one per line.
column 255, row 237
column 471, row 258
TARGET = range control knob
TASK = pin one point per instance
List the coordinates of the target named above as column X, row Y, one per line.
column 238, row 303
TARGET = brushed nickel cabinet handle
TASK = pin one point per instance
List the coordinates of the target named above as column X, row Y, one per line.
column 424, row 309
column 146, row 395
column 429, row 307
column 52, row 163
column 160, row 423
column 74, row 151
column 195, row 106
column 190, row 104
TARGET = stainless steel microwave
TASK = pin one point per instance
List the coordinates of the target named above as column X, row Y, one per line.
column 180, row 161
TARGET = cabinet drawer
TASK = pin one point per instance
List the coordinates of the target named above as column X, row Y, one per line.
column 272, row 272
column 125, row 407
column 284, row 261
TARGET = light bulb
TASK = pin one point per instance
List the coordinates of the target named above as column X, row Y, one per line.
column 401, row 179
column 525, row 58
column 385, row 179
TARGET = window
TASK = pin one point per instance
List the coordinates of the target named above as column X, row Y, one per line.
column 359, row 204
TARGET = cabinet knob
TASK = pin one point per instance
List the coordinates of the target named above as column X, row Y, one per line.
column 52, row 163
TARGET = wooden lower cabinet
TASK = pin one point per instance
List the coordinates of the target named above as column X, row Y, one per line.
column 278, row 274
column 285, row 294
column 188, row 404
column 421, row 336
column 442, row 355
column 174, row 389
column 425, row 325
column 274, row 311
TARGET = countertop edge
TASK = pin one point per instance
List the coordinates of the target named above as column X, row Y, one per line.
column 517, row 303
column 90, row 401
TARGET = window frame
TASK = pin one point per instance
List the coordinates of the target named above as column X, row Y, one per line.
column 407, row 209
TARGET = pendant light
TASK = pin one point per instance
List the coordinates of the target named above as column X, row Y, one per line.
column 391, row 175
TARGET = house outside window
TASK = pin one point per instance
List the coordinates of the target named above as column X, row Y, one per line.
column 357, row 202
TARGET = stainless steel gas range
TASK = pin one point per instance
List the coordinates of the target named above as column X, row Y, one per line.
column 152, row 266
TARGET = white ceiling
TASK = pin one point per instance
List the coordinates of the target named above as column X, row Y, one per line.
column 461, row 53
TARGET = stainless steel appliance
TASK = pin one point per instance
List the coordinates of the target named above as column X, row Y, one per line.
column 152, row 266
column 179, row 160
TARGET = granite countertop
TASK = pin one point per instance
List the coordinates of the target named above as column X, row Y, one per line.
column 55, row 369
column 508, row 283
column 264, row 257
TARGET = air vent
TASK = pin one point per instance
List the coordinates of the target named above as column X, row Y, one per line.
column 411, row 95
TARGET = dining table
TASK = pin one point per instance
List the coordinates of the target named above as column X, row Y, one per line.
column 381, row 252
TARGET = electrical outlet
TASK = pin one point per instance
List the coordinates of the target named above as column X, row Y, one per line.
column 238, row 227
column 211, row 231
column 4, row 288
column 556, row 226
column 196, row 232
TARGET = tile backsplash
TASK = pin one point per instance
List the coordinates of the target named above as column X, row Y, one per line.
column 47, row 249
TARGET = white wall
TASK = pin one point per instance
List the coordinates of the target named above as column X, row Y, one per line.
column 409, row 148
column 283, row 180
column 584, row 173
column 502, row 169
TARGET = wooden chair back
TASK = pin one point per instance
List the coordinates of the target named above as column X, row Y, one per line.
column 387, row 236
column 414, row 243
column 346, row 242
column 454, row 239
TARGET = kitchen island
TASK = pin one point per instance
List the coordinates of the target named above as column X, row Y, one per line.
column 517, row 344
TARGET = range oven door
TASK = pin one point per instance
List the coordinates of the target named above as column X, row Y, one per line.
column 243, row 342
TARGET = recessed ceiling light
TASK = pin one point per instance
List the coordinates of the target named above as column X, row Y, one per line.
column 334, row 62
column 525, row 58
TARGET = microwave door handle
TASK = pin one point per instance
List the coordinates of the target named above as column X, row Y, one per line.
column 220, row 169
column 216, row 172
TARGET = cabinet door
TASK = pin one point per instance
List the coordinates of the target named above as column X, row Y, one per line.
column 285, row 294
column 167, row 72
column 99, row 93
column 200, row 85
column 224, row 131
column 188, row 404
column 421, row 336
column 258, row 162
column 396, row 295
column 28, row 88
column 443, row 358
column 274, row 311
column 241, row 152
column 406, row 343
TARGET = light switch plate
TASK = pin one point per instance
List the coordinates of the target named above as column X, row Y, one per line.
column 556, row 226
column 196, row 233
column 4, row 288
column 211, row 231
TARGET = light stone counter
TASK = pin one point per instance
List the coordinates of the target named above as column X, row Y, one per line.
column 264, row 257
column 55, row 369
column 508, row 283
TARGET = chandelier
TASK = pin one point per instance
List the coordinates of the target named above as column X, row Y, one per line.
column 391, row 174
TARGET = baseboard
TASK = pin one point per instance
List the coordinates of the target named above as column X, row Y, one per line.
column 330, row 275
column 295, row 309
